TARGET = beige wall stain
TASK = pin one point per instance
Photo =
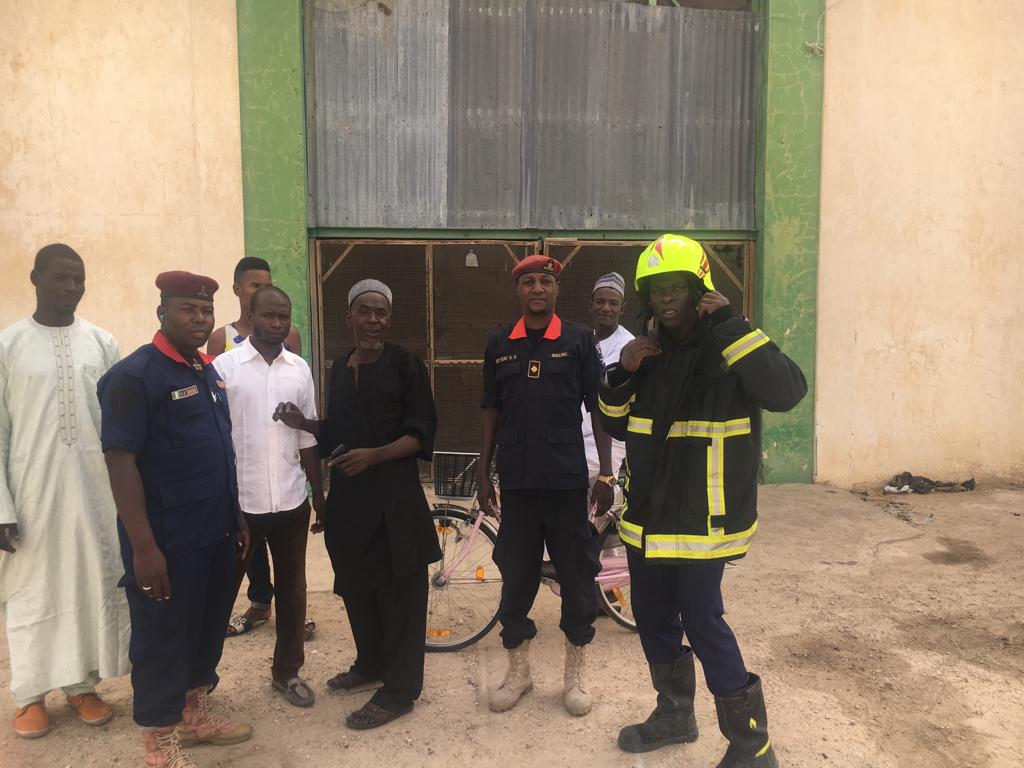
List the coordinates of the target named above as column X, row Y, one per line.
column 119, row 135
column 922, row 222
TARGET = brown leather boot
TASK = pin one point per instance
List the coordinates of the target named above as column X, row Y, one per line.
column 91, row 709
column 32, row 720
column 163, row 749
column 200, row 726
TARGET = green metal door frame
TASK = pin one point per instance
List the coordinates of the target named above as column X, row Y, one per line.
column 273, row 128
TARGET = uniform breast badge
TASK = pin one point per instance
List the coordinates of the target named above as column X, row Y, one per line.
column 533, row 370
column 181, row 394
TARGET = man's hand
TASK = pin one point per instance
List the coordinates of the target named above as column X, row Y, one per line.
column 290, row 415
column 9, row 533
column 603, row 496
column 355, row 461
column 637, row 350
column 709, row 302
column 317, row 502
column 244, row 539
column 487, row 497
column 150, row 570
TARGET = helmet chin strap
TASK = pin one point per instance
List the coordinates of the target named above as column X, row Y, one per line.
column 646, row 313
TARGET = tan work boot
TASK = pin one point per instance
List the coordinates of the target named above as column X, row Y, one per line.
column 91, row 709
column 517, row 679
column 575, row 694
column 200, row 726
column 163, row 749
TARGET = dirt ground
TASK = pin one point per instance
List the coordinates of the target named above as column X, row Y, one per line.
column 889, row 632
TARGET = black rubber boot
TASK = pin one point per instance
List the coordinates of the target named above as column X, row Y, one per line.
column 744, row 722
column 672, row 721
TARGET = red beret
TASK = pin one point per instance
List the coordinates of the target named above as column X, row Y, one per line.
column 186, row 285
column 537, row 263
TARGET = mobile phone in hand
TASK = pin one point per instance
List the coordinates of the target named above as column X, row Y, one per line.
column 341, row 450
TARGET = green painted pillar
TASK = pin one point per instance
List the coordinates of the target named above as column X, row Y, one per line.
column 788, row 192
column 271, row 78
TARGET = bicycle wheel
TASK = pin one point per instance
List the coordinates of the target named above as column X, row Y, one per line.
column 463, row 608
column 612, row 583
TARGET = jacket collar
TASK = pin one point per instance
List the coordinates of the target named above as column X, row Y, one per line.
column 553, row 331
column 160, row 342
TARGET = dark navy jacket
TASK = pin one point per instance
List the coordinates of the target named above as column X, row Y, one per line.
column 538, row 392
column 175, row 420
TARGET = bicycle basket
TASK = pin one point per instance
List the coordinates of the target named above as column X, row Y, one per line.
column 455, row 475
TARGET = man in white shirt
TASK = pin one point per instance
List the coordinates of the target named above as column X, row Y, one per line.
column 274, row 462
column 607, row 303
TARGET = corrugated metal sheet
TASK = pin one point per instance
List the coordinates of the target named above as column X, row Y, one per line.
column 379, row 143
column 567, row 114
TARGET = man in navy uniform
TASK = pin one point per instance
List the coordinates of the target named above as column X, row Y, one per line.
column 166, row 439
column 537, row 373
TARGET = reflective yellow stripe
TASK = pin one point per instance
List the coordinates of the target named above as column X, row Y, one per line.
column 710, row 429
column 640, row 426
column 716, row 484
column 630, row 534
column 744, row 346
column 615, row 411
column 698, row 547
column 765, row 748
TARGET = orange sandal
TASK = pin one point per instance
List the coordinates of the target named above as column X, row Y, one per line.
column 32, row 720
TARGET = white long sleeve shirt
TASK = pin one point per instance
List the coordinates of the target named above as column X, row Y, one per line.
column 270, row 476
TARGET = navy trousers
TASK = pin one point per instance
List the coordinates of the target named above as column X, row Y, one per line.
column 670, row 600
column 176, row 644
column 529, row 520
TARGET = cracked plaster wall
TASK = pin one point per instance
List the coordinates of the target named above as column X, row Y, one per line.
column 120, row 136
column 920, row 309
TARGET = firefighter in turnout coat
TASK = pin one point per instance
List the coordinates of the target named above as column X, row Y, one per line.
column 687, row 400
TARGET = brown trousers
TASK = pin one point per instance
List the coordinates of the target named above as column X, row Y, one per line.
column 285, row 534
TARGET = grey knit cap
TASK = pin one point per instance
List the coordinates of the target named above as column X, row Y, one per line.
column 612, row 280
column 370, row 286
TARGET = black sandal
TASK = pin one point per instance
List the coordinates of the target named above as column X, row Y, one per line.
column 352, row 682
column 372, row 715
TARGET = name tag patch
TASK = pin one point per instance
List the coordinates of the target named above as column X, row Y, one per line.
column 533, row 370
column 181, row 394
column 505, row 358
column 558, row 355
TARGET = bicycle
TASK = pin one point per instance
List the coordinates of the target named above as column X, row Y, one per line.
column 465, row 584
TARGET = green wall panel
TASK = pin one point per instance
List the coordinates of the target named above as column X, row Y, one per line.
column 273, row 120
column 788, row 191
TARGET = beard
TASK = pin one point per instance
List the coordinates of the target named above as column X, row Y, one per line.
column 371, row 346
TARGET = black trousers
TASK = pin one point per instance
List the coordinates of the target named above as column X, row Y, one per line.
column 669, row 600
column 389, row 627
column 261, row 588
column 176, row 644
column 285, row 533
column 560, row 519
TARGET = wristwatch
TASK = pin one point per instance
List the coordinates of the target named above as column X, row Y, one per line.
column 608, row 480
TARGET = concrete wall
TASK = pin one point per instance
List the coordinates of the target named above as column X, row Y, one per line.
column 920, row 310
column 119, row 135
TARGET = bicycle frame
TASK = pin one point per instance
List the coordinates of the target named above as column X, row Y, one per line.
column 442, row 578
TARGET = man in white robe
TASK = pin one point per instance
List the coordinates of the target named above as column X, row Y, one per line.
column 66, row 619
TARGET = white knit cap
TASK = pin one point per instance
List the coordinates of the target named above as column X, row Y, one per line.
column 370, row 286
column 612, row 280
